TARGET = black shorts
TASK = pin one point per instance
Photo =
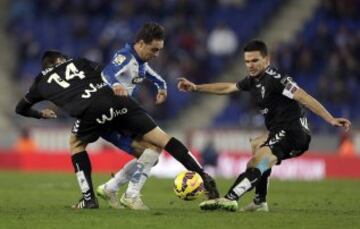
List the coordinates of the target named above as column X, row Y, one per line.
column 286, row 144
column 113, row 113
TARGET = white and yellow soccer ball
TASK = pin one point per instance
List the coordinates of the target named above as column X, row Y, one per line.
column 188, row 185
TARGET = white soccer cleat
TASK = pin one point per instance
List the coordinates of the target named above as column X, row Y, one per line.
column 134, row 203
column 253, row 207
column 110, row 197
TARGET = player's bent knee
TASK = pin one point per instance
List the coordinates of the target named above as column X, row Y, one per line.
column 257, row 142
column 76, row 146
column 262, row 160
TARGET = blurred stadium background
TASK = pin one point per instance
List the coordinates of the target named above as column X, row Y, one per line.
column 317, row 42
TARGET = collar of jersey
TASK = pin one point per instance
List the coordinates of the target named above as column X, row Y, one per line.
column 47, row 70
column 257, row 79
column 130, row 48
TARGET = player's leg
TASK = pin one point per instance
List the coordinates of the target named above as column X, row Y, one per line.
column 124, row 143
column 280, row 145
column 259, row 163
column 109, row 190
column 141, row 150
column 256, row 142
column 82, row 166
column 174, row 147
column 259, row 202
column 139, row 122
column 149, row 157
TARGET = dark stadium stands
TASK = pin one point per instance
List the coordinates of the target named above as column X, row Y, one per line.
column 96, row 28
column 324, row 60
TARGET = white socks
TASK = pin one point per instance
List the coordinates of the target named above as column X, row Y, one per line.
column 136, row 171
column 122, row 176
column 143, row 166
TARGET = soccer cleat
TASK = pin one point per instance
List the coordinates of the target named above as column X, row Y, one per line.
column 134, row 203
column 109, row 196
column 228, row 205
column 209, row 204
column 220, row 203
column 210, row 187
column 253, row 207
column 86, row 204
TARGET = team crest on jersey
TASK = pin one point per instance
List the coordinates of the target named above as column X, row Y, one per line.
column 262, row 91
column 119, row 59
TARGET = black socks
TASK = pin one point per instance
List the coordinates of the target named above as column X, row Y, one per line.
column 245, row 182
column 262, row 188
column 182, row 154
column 82, row 166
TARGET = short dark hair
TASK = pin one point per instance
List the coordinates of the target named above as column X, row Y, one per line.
column 150, row 31
column 256, row 45
column 49, row 58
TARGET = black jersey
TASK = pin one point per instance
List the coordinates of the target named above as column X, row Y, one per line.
column 273, row 93
column 73, row 86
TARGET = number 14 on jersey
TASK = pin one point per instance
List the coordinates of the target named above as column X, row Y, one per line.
column 70, row 73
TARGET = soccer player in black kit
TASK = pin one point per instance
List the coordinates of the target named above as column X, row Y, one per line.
column 75, row 86
column 280, row 100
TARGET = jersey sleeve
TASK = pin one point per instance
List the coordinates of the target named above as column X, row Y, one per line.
column 33, row 95
column 24, row 105
column 155, row 78
column 117, row 66
column 282, row 84
column 244, row 84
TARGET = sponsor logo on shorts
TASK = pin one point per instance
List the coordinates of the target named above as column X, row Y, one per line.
column 111, row 115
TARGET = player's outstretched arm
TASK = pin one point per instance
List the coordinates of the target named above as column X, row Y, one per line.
column 315, row 106
column 24, row 108
column 212, row 88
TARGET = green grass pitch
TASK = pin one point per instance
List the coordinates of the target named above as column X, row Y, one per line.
column 42, row 200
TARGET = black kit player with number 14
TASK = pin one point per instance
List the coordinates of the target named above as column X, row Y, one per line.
column 75, row 86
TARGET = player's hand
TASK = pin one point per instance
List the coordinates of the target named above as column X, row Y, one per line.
column 119, row 90
column 341, row 122
column 161, row 96
column 48, row 114
column 186, row 85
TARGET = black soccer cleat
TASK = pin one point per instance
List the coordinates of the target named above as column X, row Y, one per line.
column 86, row 204
column 210, row 186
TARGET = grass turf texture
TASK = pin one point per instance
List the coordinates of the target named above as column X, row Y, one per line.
column 42, row 200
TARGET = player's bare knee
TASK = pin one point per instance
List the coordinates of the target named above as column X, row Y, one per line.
column 254, row 145
column 263, row 159
column 257, row 142
column 76, row 146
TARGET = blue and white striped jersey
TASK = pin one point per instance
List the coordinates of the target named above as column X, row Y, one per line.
column 126, row 68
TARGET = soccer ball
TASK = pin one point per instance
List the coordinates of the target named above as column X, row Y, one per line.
column 188, row 185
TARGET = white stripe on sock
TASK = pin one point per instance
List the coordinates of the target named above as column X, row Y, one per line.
column 191, row 155
column 242, row 187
